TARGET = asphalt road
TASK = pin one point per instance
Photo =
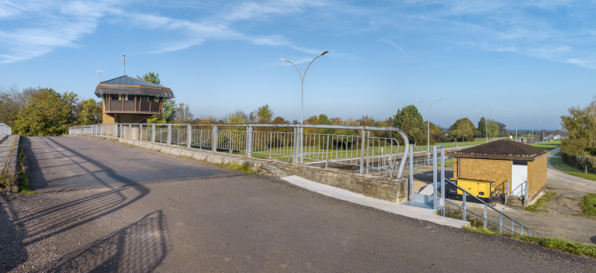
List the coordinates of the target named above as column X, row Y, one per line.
column 108, row 207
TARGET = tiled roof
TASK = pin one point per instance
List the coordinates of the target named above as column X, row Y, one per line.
column 501, row 149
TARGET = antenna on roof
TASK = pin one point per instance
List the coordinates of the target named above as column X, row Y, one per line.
column 124, row 65
column 99, row 74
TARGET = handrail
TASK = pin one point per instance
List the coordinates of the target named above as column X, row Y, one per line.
column 250, row 126
column 486, row 206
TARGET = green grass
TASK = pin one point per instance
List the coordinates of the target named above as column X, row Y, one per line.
column 560, row 165
column 589, row 205
column 242, row 168
column 548, row 145
column 535, row 207
column 22, row 175
column 561, row 244
column 447, row 163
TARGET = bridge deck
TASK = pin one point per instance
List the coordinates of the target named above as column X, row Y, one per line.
column 201, row 220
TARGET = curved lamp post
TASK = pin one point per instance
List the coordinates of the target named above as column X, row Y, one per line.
column 428, row 126
column 515, row 127
column 302, row 81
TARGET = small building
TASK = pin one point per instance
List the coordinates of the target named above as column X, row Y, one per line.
column 130, row 100
column 503, row 161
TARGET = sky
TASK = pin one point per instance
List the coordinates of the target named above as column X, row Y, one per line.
column 514, row 61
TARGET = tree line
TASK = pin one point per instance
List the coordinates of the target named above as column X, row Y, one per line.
column 45, row 112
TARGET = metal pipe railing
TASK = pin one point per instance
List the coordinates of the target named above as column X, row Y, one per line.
column 485, row 216
column 285, row 142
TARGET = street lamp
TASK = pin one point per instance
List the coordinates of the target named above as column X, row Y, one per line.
column 515, row 127
column 302, row 81
column 486, row 123
column 428, row 125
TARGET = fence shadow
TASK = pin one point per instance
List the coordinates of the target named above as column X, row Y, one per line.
column 12, row 246
column 139, row 247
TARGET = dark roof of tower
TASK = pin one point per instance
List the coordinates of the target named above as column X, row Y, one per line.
column 501, row 149
column 131, row 86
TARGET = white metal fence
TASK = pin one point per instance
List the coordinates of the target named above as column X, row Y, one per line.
column 5, row 129
column 359, row 148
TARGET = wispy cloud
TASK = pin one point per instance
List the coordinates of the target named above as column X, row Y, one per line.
column 391, row 44
column 47, row 25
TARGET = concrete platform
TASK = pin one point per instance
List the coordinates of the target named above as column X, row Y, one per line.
column 400, row 209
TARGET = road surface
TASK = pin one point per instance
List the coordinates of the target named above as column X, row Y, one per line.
column 108, row 207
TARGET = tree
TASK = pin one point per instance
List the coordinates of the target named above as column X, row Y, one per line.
column 47, row 113
column 482, row 127
column 462, row 130
column 238, row 117
column 151, row 77
column 183, row 114
column 409, row 120
column 264, row 114
column 90, row 112
column 168, row 111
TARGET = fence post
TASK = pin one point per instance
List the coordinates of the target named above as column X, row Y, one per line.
column 130, row 131
column 214, row 139
column 169, row 134
column 363, row 143
column 248, row 140
column 443, row 179
column 435, row 193
column 295, row 155
column 501, row 223
column 367, row 151
column 153, row 133
column 140, row 131
column 301, row 145
column 188, row 136
column 485, row 215
column 464, row 205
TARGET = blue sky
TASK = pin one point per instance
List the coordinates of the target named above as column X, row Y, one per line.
column 528, row 59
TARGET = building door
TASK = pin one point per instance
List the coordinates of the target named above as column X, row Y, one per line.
column 519, row 175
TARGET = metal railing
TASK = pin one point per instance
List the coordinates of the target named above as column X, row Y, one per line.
column 5, row 129
column 359, row 148
column 484, row 217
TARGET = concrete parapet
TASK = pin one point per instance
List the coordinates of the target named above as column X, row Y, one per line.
column 383, row 188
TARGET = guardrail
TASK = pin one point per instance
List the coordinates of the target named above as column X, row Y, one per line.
column 5, row 129
column 361, row 148
column 465, row 210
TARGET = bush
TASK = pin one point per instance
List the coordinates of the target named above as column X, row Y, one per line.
column 575, row 153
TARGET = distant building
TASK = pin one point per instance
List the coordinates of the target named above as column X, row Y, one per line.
column 504, row 160
column 130, row 100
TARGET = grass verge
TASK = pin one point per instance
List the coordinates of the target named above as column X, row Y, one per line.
column 447, row 163
column 589, row 205
column 561, row 244
column 22, row 175
column 535, row 207
column 548, row 145
column 242, row 168
column 560, row 165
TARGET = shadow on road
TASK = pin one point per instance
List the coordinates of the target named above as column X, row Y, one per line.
column 12, row 247
column 139, row 247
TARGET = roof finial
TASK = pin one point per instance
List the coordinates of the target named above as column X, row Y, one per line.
column 124, row 65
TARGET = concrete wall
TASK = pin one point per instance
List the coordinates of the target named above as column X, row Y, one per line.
column 389, row 189
column 483, row 169
column 537, row 177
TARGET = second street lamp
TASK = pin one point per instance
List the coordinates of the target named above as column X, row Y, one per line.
column 428, row 126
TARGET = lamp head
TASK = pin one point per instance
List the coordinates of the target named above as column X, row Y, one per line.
column 284, row 60
column 324, row 52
